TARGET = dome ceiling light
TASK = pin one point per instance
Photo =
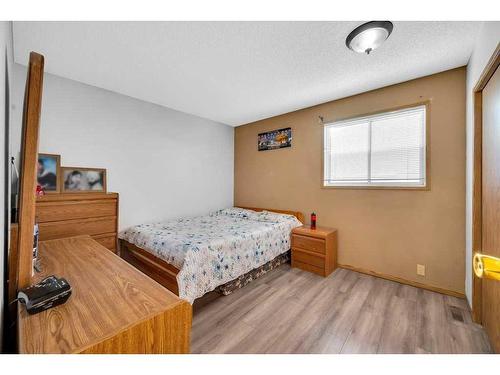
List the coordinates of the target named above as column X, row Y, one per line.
column 369, row 36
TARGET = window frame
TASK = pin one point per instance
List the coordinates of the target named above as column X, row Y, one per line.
column 427, row 185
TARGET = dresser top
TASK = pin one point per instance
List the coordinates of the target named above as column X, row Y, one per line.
column 109, row 295
column 55, row 197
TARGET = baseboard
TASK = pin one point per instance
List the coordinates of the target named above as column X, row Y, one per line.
column 404, row 281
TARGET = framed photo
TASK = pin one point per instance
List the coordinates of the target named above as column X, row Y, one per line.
column 83, row 180
column 275, row 139
column 48, row 172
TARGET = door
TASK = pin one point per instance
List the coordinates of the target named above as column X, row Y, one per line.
column 491, row 204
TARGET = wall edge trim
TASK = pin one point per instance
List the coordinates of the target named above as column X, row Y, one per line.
column 401, row 280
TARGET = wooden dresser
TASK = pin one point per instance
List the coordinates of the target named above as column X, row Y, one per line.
column 114, row 308
column 67, row 215
column 314, row 250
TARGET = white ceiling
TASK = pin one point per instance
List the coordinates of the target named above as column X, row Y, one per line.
column 239, row 72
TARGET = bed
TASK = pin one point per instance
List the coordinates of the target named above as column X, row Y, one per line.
column 228, row 247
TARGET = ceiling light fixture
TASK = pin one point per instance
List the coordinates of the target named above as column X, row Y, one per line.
column 369, row 36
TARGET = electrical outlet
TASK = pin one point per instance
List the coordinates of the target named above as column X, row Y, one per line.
column 420, row 270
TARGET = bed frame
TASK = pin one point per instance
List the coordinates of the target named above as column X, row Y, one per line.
column 163, row 272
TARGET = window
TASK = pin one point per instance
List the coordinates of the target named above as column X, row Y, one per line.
column 386, row 150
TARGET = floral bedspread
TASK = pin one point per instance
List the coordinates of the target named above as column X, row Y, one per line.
column 211, row 250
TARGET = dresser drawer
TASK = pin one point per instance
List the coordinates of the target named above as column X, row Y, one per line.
column 308, row 267
column 69, row 210
column 308, row 243
column 308, row 258
column 107, row 240
column 61, row 229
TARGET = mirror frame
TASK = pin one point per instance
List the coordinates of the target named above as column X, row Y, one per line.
column 28, row 179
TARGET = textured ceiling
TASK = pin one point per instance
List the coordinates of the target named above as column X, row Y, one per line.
column 239, row 72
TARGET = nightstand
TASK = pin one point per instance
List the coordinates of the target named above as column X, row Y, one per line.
column 314, row 250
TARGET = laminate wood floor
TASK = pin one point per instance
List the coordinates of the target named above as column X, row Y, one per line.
column 292, row 311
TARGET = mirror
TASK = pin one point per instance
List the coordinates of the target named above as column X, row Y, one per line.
column 29, row 157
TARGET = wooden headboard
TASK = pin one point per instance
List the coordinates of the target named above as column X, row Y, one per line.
column 297, row 214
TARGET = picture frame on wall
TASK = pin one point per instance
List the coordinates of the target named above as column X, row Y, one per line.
column 83, row 180
column 48, row 173
column 275, row 139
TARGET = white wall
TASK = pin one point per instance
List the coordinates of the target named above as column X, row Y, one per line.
column 6, row 63
column 164, row 163
column 486, row 43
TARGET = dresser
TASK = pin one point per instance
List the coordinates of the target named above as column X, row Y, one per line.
column 314, row 250
column 113, row 308
column 74, row 214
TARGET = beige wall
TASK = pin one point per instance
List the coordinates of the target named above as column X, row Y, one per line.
column 386, row 231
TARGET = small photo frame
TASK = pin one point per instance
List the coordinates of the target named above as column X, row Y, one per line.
column 275, row 139
column 48, row 172
column 83, row 180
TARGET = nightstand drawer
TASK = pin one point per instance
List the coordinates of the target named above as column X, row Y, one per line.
column 308, row 243
column 308, row 267
column 308, row 258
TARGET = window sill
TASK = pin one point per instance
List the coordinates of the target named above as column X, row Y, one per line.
column 375, row 187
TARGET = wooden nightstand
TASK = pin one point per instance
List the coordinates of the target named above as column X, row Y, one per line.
column 314, row 250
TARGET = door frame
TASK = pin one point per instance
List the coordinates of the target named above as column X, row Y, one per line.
column 477, row 235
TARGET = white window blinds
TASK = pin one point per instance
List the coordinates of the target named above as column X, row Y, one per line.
column 387, row 149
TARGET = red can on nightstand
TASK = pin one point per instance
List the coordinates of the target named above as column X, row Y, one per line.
column 313, row 221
